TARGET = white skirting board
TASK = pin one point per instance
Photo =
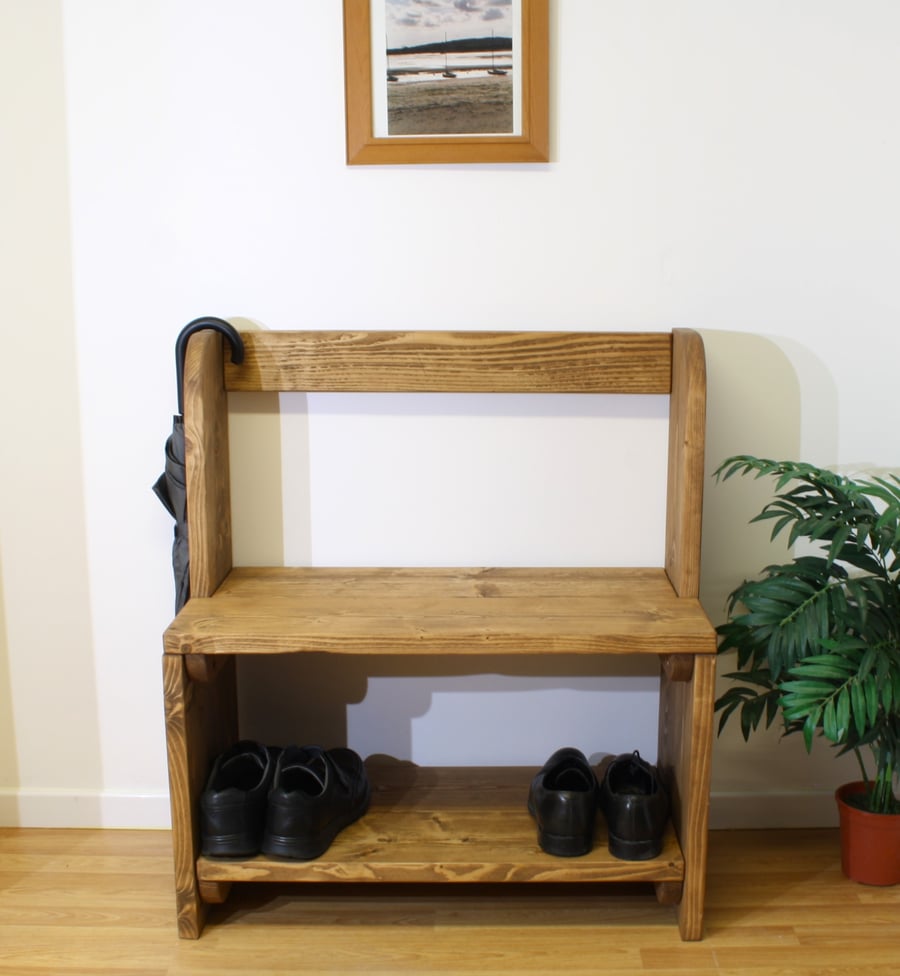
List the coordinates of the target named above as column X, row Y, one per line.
column 67, row 808
column 58, row 808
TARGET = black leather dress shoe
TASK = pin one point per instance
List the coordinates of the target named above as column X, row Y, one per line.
column 563, row 801
column 315, row 795
column 636, row 808
column 233, row 805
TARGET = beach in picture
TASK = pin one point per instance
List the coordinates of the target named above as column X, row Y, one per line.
column 449, row 67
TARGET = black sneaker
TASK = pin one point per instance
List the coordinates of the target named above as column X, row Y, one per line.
column 315, row 795
column 233, row 805
column 636, row 808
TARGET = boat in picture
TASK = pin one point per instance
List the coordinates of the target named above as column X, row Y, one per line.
column 447, row 72
column 387, row 55
column 494, row 70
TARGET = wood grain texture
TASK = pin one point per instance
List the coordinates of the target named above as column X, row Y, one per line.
column 201, row 722
column 99, row 903
column 207, row 470
column 465, row 825
column 183, row 797
column 454, row 362
column 685, row 764
column 442, row 611
column 686, row 462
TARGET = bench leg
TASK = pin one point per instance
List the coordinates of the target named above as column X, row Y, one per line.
column 201, row 722
column 685, row 748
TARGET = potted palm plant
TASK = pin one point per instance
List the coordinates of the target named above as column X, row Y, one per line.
column 817, row 640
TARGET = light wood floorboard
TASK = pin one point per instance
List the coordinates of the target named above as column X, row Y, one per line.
column 78, row 902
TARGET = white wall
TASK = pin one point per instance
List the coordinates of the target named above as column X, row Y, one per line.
column 729, row 167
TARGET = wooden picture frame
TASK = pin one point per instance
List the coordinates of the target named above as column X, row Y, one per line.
column 529, row 144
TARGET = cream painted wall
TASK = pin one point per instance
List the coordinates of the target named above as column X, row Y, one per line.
column 50, row 761
column 730, row 167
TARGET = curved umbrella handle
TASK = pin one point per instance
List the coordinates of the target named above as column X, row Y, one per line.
column 198, row 325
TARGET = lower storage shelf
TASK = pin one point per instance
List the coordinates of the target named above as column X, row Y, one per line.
column 448, row 824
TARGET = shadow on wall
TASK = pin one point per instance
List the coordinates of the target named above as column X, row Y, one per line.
column 753, row 407
column 772, row 398
column 501, row 710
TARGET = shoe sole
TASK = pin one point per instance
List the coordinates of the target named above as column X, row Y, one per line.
column 635, row 850
column 229, row 845
column 309, row 848
column 561, row 846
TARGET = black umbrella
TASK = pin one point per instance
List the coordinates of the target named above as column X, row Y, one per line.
column 170, row 486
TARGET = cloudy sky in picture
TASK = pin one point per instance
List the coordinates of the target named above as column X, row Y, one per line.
column 411, row 22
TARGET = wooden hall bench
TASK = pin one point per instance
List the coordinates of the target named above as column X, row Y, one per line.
column 234, row 611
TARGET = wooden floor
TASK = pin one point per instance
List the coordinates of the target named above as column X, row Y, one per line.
column 101, row 902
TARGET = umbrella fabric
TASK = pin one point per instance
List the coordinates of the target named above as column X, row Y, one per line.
column 170, row 490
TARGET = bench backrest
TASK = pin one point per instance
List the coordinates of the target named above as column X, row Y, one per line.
column 670, row 363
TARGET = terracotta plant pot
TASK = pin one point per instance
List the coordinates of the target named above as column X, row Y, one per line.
column 870, row 842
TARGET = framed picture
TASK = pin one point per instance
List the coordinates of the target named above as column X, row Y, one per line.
column 448, row 81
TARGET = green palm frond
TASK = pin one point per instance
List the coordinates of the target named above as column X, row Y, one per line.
column 818, row 638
